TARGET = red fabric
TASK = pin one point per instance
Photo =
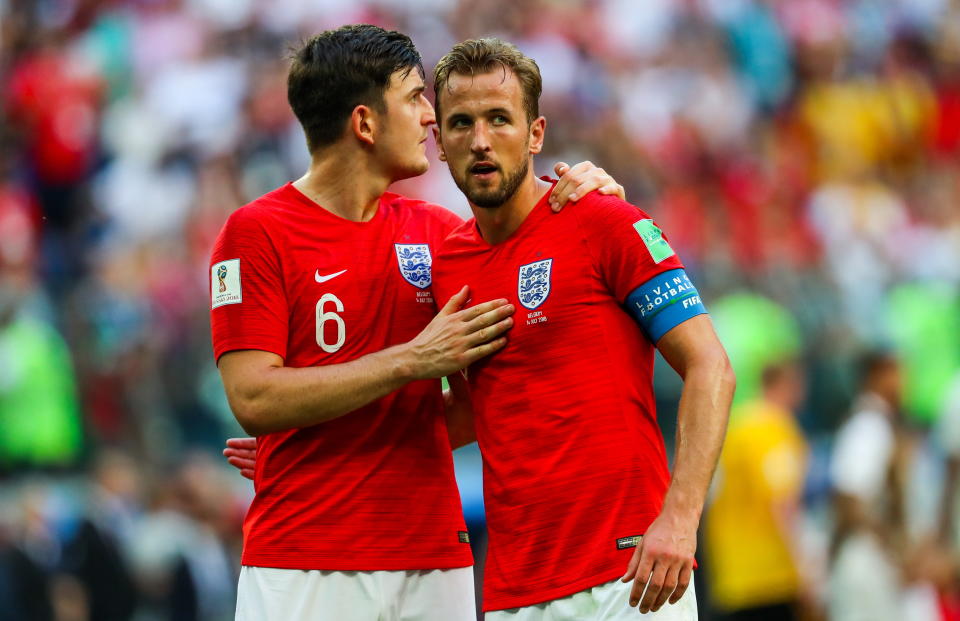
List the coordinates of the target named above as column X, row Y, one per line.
column 946, row 129
column 565, row 414
column 19, row 226
column 57, row 104
column 374, row 489
column 949, row 605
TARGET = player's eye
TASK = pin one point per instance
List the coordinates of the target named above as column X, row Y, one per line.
column 459, row 123
column 500, row 120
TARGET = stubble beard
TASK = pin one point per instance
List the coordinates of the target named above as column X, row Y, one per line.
column 497, row 196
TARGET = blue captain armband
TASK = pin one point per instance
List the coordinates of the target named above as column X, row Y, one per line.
column 664, row 302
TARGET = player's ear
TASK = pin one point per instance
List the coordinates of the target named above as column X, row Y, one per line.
column 436, row 138
column 537, row 129
column 363, row 124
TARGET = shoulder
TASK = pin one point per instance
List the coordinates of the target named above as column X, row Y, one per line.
column 748, row 427
column 866, row 423
column 252, row 228
column 598, row 210
column 605, row 218
column 258, row 213
column 865, row 437
column 461, row 237
column 422, row 210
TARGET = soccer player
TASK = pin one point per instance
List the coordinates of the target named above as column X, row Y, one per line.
column 576, row 484
column 322, row 312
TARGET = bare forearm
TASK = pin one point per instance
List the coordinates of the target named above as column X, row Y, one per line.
column 267, row 396
column 278, row 398
column 701, row 426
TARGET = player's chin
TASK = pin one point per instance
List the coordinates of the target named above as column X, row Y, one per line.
column 487, row 199
column 414, row 169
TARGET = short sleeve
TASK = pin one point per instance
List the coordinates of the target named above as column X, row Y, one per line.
column 628, row 246
column 247, row 296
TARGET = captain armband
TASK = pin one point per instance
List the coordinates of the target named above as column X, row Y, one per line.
column 664, row 302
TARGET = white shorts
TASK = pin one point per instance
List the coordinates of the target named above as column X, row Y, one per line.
column 606, row 602
column 267, row 594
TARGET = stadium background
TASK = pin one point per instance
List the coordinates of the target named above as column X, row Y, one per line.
column 803, row 156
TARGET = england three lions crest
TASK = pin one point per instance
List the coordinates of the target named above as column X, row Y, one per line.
column 533, row 283
column 415, row 262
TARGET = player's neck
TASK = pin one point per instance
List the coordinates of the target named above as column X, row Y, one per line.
column 496, row 224
column 343, row 184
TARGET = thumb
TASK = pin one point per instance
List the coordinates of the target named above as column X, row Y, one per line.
column 456, row 301
column 560, row 168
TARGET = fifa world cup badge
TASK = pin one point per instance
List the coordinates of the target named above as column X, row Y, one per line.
column 225, row 283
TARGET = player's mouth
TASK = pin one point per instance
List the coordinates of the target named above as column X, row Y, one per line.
column 483, row 171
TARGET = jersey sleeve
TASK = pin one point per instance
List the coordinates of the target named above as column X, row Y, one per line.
column 626, row 244
column 247, row 296
column 637, row 264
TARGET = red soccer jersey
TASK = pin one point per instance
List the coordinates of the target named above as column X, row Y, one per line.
column 374, row 489
column 574, row 461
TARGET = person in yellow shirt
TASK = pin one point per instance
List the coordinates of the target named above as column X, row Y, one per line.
column 751, row 527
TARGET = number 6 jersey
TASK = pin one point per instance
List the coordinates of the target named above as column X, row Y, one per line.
column 373, row 489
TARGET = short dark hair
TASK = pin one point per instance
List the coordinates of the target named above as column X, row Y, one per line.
column 475, row 56
column 337, row 70
column 774, row 372
column 875, row 361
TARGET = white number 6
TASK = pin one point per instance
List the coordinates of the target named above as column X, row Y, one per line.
column 323, row 317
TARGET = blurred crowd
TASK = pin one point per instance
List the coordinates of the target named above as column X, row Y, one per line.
column 802, row 155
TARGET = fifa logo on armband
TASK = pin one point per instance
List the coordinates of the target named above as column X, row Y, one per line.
column 221, row 275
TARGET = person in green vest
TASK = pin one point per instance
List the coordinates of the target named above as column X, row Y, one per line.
column 40, row 423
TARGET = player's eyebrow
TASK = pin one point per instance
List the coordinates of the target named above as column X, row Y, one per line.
column 416, row 90
column 502, row 111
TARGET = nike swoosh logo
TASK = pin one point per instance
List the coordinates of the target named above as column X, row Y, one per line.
column 328, row 276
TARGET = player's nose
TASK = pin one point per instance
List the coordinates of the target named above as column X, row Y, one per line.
column 429, row 116
column 480, row 142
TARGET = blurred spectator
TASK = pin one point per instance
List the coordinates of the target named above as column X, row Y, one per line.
column 752, row 529
column 948, row 435
column 39, row 417
column 868, row 467
column 24, row 591
column 40, row 423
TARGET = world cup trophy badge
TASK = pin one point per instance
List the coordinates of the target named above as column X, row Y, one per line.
column 221, row 275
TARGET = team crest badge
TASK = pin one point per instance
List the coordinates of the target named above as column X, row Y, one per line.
column 533, row 284
column 415, row 262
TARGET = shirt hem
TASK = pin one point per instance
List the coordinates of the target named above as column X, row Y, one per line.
column 506, row 603
column 324, row 564
column 226, row 346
